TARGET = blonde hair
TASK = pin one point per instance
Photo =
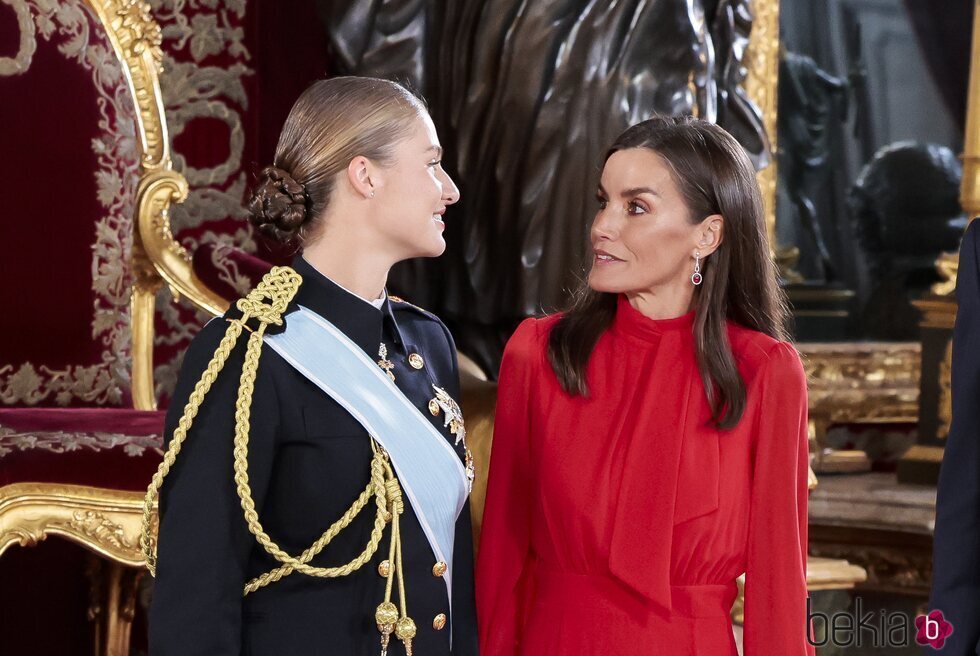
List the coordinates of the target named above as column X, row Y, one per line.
column 331, row 123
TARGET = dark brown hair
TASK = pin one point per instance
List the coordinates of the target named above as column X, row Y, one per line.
column 331, row 123
column 714, row 176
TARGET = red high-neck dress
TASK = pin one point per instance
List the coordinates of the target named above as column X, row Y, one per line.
column 618, row 523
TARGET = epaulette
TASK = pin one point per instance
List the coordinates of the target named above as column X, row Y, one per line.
column 267, row 301
column 405, row 304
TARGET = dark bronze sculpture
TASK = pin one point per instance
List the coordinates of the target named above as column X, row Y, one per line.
column 526, row 95
column 810, row 102
column 906, row 211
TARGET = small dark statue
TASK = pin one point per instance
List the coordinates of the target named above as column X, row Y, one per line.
column 811, row 101
column 906, row 211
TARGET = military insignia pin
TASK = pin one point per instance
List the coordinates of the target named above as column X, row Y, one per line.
column 453, row 419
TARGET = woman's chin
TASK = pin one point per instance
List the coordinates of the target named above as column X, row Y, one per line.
column 600, row 283
column 435, row 247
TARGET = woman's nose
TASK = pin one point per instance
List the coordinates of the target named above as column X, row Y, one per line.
column 450, row 192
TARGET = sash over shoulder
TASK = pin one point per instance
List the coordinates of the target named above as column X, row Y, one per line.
column 428, row 468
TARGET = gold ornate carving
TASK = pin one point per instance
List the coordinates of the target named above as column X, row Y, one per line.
column 947, row 266
column 761, row 85
column 858, row 383
column 112, row 604
column 945, row 392
column 106, row 522
column 137, row 40
column 863, row 382
column 156, row 192
column 97, row 527
column 195, row 85
column 154, row 255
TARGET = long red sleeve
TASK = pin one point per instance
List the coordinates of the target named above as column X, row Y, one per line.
column 775, row 580
column 505, row 540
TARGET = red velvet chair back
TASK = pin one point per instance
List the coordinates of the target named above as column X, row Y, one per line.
column 70, row 166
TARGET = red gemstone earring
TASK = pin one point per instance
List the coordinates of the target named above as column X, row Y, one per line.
column 696, row 277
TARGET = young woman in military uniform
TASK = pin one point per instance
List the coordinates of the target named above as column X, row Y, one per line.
column 312, row 499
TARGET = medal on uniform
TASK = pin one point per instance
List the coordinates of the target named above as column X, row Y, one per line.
column 384, row 362
column 453, row 419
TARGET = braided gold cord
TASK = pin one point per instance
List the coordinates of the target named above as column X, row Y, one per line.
column 279, row 286
column 376, row 488
column 244, row 490
column 147, row 542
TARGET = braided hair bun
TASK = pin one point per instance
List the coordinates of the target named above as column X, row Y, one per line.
column 279, row 206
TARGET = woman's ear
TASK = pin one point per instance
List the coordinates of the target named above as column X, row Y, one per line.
column 711, row 232
column 359, row 176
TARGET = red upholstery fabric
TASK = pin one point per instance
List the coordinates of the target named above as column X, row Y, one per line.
column 228, row 270
column 118, row 449
column 65, row 241
column 124, row 421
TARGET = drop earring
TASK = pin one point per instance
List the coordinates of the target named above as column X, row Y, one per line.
column 696, row 278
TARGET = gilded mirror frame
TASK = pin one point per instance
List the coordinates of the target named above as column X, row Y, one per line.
column 863, row 382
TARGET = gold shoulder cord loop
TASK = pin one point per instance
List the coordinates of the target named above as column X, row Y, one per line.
column 279, row 286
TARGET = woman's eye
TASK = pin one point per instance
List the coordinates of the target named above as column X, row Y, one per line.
column 435, row 163
column 602, row 203
column 635, row 208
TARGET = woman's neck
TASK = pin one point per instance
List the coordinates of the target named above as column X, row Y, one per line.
column 355, row 269
column 663, row 303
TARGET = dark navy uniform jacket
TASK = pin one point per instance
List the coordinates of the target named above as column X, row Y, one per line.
column 956, row 547
column 308, row 460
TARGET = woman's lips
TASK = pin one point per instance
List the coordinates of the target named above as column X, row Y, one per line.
column 602, row 257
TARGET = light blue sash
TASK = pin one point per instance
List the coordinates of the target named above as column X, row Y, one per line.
column 428, row 468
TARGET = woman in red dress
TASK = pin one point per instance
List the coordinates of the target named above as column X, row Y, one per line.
column 650, row 444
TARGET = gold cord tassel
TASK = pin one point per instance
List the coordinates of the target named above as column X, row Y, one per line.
column 387, row 615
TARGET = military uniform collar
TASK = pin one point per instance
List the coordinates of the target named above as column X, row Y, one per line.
column 365, row 324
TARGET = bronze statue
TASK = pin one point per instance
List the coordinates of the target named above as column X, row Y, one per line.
column 811, row 100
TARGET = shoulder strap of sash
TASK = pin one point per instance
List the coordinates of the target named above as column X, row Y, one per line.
column 428, row 468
